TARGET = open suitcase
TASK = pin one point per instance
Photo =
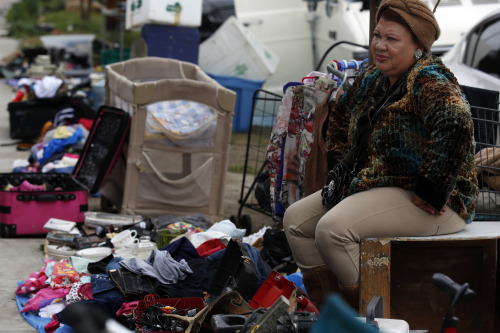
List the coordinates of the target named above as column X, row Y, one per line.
column 65, row 196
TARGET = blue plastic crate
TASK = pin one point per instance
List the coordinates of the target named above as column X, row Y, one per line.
column 181, row 43
column 244, row 89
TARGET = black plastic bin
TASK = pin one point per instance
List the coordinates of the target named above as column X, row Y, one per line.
column 28, row 117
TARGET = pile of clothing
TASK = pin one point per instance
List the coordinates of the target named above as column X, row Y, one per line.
column 183, row 269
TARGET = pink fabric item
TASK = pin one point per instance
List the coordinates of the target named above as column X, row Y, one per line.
column 33, row 304
column 126, row 308
column 32, row 284
column 27, row 186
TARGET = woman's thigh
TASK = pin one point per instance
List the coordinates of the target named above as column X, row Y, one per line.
column 387, row 212
column 380, row 212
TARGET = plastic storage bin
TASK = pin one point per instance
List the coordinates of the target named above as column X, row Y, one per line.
column 72, row 44
column 234, row 51
column 244, row 89
column 185, row 13
column 110, row 56
column 181, row 43
column 177, row 155
column 28, row 117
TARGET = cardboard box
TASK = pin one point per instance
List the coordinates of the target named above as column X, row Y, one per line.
column 185, row 13
column 234, row 51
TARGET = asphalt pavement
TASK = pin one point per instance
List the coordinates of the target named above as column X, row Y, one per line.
column 19, row 256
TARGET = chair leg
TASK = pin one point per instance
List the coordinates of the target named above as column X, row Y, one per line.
column 350, row 295
column 319, row 282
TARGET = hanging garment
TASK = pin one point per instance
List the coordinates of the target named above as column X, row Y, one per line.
column 276, row 141
column 290, row 144
column 316, row 167
column 298, row 144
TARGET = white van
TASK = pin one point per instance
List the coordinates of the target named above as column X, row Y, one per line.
column 301, row 31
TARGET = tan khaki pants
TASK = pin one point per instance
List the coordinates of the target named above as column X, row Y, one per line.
column 318, row 236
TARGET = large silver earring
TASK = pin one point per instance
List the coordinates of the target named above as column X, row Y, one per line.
column 418, row 54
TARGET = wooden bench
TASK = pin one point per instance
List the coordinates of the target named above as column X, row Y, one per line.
column 400, row 270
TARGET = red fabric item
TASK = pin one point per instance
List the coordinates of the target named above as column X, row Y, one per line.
column 19, row 96
column 210, row 247
column 63, row 275
column 85, row 291
column 87, row 123
column 52, row 326
column 72, row 155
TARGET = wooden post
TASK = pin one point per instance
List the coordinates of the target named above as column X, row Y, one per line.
column 375, row 269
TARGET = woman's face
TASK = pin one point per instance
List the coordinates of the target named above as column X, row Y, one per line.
column 392, row 48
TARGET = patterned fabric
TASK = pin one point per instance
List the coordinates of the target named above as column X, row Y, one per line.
column 182, row 118
column 181, row 123
column 290, row 145
column 422, row 142
column 73, row 296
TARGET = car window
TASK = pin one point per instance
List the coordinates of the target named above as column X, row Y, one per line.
column 483, row 48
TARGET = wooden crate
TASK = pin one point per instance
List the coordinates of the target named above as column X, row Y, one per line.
column 400, row 270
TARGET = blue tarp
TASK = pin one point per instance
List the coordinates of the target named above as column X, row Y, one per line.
column 37, row 322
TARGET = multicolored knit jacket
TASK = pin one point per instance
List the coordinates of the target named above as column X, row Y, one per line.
column 422, row 141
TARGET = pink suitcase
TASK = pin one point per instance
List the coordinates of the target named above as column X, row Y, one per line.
column 24, row 212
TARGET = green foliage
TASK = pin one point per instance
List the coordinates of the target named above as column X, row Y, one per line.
column 62, row 20
column 52, row 5
column 24, row 10
column 26, row 16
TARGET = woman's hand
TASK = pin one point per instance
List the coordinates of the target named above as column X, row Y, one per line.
column 422, row 204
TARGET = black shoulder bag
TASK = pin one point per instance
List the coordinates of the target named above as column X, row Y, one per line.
column 337, row 179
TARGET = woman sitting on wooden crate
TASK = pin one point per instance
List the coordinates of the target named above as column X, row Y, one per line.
column 401, row 154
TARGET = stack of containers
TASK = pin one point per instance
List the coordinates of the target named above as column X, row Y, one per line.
column 168, row 27
column 239, row 61
column 176, row 159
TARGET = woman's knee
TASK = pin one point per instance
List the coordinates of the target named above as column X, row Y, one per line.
column 289, row 216
column 331, row 230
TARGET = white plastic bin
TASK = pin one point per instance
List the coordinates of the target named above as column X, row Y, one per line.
column 186, row 13
column 234, row 51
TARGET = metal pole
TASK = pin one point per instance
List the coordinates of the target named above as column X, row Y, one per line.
column 374, row 4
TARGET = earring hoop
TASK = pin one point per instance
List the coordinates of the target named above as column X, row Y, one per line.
column 418, row 54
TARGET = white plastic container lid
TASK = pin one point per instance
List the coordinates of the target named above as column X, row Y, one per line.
column 94, row 253
column 390, row 325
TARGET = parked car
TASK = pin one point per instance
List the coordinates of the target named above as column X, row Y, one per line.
column 475, row 59
column 300, row 32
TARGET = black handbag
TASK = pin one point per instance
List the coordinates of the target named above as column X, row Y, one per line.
column 236, row 271
column 338, row 178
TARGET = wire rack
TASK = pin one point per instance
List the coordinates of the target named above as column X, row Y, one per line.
column 255, row 184
column 487, row 157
